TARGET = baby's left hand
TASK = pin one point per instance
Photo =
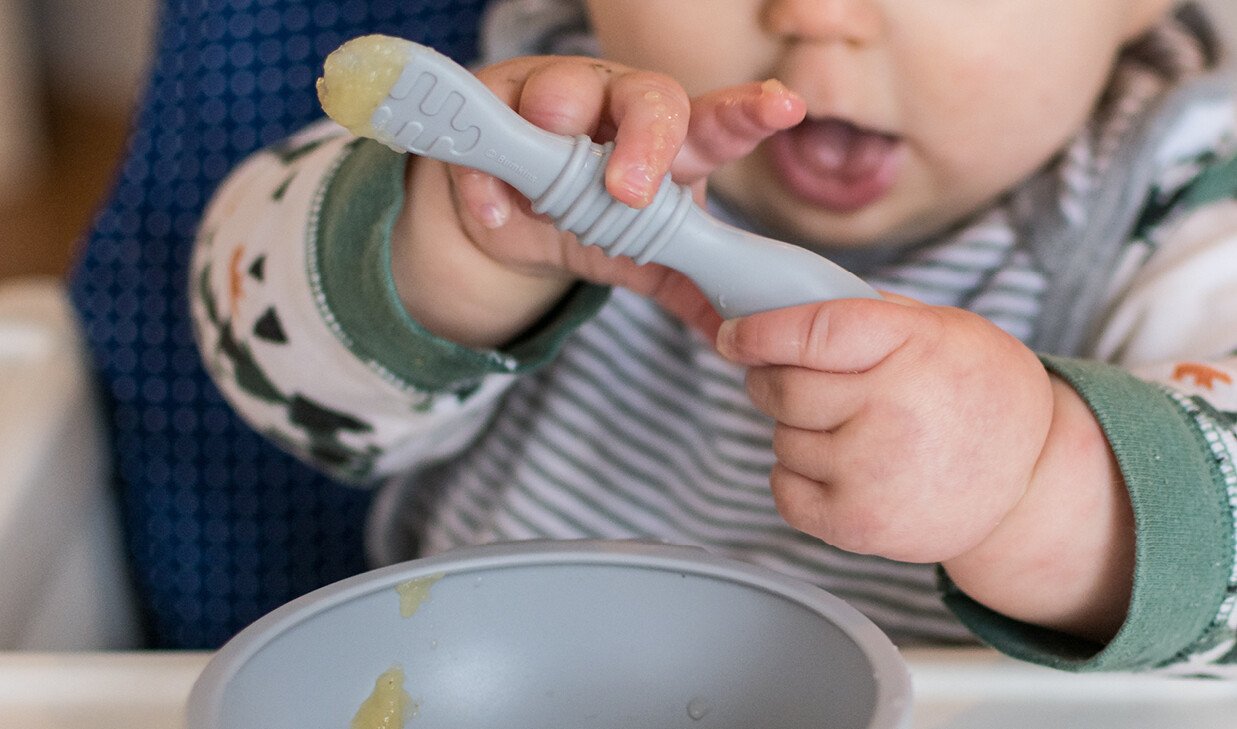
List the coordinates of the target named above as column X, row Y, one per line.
column 903, row 430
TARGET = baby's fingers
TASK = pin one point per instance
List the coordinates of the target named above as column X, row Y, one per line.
column 805, row 398
column 728, row 124
column 650, row 113
column 485, row 198
column 566, row 96
column 847, row 335
column 562, row 95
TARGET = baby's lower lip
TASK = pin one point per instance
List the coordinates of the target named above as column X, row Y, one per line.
column 835, row 165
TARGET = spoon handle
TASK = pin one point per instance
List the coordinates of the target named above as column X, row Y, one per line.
column 438, row 109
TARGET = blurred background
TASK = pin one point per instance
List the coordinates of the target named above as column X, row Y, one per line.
column 70, row 72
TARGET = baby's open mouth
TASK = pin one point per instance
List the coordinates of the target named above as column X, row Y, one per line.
column 836, row 164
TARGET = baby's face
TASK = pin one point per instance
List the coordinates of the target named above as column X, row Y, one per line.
column 919, row 111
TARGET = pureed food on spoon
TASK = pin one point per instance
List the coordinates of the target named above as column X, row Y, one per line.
column 356, row 78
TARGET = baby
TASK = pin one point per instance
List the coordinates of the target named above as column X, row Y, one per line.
column 1030, row 439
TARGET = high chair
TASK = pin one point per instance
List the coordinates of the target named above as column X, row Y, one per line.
column 159, row 519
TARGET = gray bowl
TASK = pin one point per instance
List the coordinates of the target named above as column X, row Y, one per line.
column 570, row 635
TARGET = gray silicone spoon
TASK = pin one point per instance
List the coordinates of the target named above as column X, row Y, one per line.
column 438, row 109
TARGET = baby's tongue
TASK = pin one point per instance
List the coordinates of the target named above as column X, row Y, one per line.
column 837, row 164
column 840, row 148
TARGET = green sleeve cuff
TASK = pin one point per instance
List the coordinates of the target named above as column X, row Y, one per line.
column 350, row 257
column 1184, row 542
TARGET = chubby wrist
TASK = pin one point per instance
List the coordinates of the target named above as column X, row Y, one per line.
column 450, row 286
column 1183, row 557
column 1062, row 558
column 348, row 256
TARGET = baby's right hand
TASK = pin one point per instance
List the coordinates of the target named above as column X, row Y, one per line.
column 489, row 268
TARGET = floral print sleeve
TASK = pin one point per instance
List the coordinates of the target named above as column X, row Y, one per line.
column 298, row 321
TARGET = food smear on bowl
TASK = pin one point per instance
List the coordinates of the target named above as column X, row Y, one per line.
column 414, row 592
column 389, row 706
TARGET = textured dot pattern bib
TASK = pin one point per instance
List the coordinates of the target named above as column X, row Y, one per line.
column 220, row 525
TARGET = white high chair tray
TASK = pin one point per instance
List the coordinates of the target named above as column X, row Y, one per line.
column 955, row 689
